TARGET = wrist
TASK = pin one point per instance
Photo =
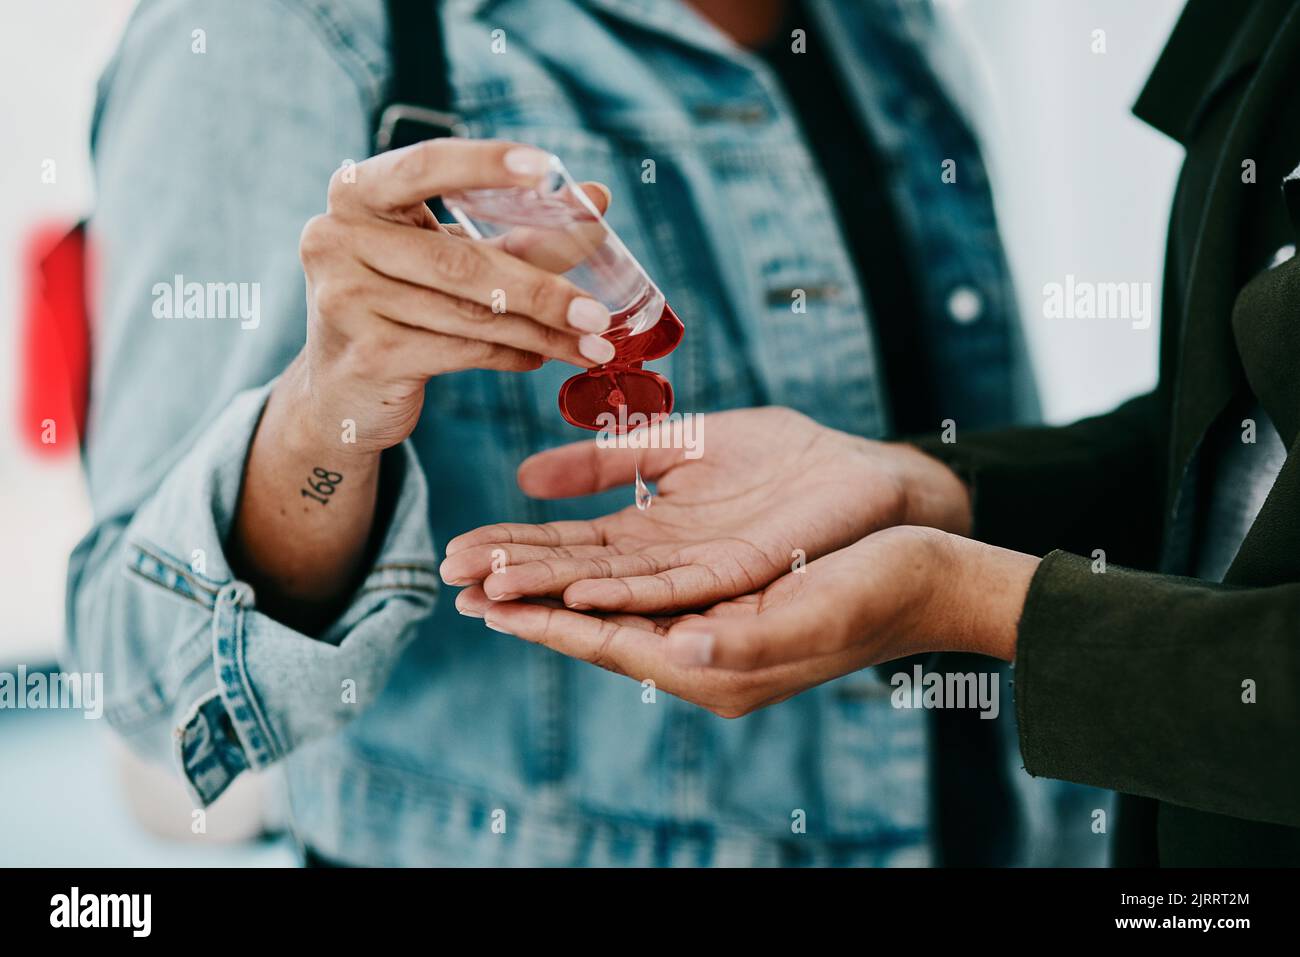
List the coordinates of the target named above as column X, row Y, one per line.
column 305, row 429
column 980, row 593
column 913, row 569
column 933, row 495
column 305, row 513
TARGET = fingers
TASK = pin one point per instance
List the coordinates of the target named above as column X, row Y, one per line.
column 599, row 195
column 472, row 603
column 427, row 309
column 657, row 579
column 624, row 645
column 779, row 636
column 583, row 468
column 550, row 577
column 478, row 562
column 408, row 176
column 474, row 271
column 417, row 353
column 558, row 249
column 553, row 534
column 664, row 585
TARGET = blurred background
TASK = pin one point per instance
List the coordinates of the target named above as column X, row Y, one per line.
column 1082, row 188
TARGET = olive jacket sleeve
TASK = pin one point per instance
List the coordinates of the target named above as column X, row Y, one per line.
column 1155, row 685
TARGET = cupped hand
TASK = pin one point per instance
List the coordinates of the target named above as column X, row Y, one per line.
column 877, row 600
column 771, row 491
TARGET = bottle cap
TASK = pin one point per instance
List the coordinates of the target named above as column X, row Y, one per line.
column 620, row 395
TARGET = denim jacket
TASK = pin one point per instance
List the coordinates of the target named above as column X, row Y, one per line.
column 407, row 734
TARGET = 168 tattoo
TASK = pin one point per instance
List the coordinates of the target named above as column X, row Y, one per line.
column 324, row 485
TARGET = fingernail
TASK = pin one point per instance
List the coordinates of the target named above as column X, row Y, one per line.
column 588, row 315
column 691, row 647
column 510, row 597
column 526, row 161
column 577, row 605
column 469, row 614
column 596, row 349
column 495, row 627
column 605, row 192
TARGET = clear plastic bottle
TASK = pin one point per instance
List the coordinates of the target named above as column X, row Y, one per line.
column 558, row 221
column 556, row 226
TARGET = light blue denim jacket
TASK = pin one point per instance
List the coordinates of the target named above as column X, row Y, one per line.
column 407, row 733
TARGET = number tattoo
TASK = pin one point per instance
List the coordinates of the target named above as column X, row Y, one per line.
column 325, row 486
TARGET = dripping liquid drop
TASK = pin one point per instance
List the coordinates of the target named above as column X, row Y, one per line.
column 644, row 497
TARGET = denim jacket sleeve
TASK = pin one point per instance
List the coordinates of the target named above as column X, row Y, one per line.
column 216, row 131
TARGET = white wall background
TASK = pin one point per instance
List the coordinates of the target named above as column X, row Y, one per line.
column 1082, row 188
column 50, row 54
column 72, row 796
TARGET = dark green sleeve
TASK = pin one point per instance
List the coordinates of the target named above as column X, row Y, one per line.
column 1098, row 483
column 1138, row 682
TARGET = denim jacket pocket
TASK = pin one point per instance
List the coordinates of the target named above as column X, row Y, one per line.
column 876, row 769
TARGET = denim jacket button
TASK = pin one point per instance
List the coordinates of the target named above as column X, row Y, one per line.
column 965, row 305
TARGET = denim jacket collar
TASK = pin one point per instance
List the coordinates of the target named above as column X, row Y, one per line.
column 675, row 20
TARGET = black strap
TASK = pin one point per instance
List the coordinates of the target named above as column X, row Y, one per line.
column 418, row 57
column 419, row 94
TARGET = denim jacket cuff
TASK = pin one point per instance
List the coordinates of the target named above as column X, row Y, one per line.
column 267, row 688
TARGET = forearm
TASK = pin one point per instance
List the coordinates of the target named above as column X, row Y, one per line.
column 305, row 513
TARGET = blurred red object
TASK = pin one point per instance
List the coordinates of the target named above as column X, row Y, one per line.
column 54, row 341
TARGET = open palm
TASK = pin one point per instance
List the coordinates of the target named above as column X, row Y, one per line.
column 772, row 490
